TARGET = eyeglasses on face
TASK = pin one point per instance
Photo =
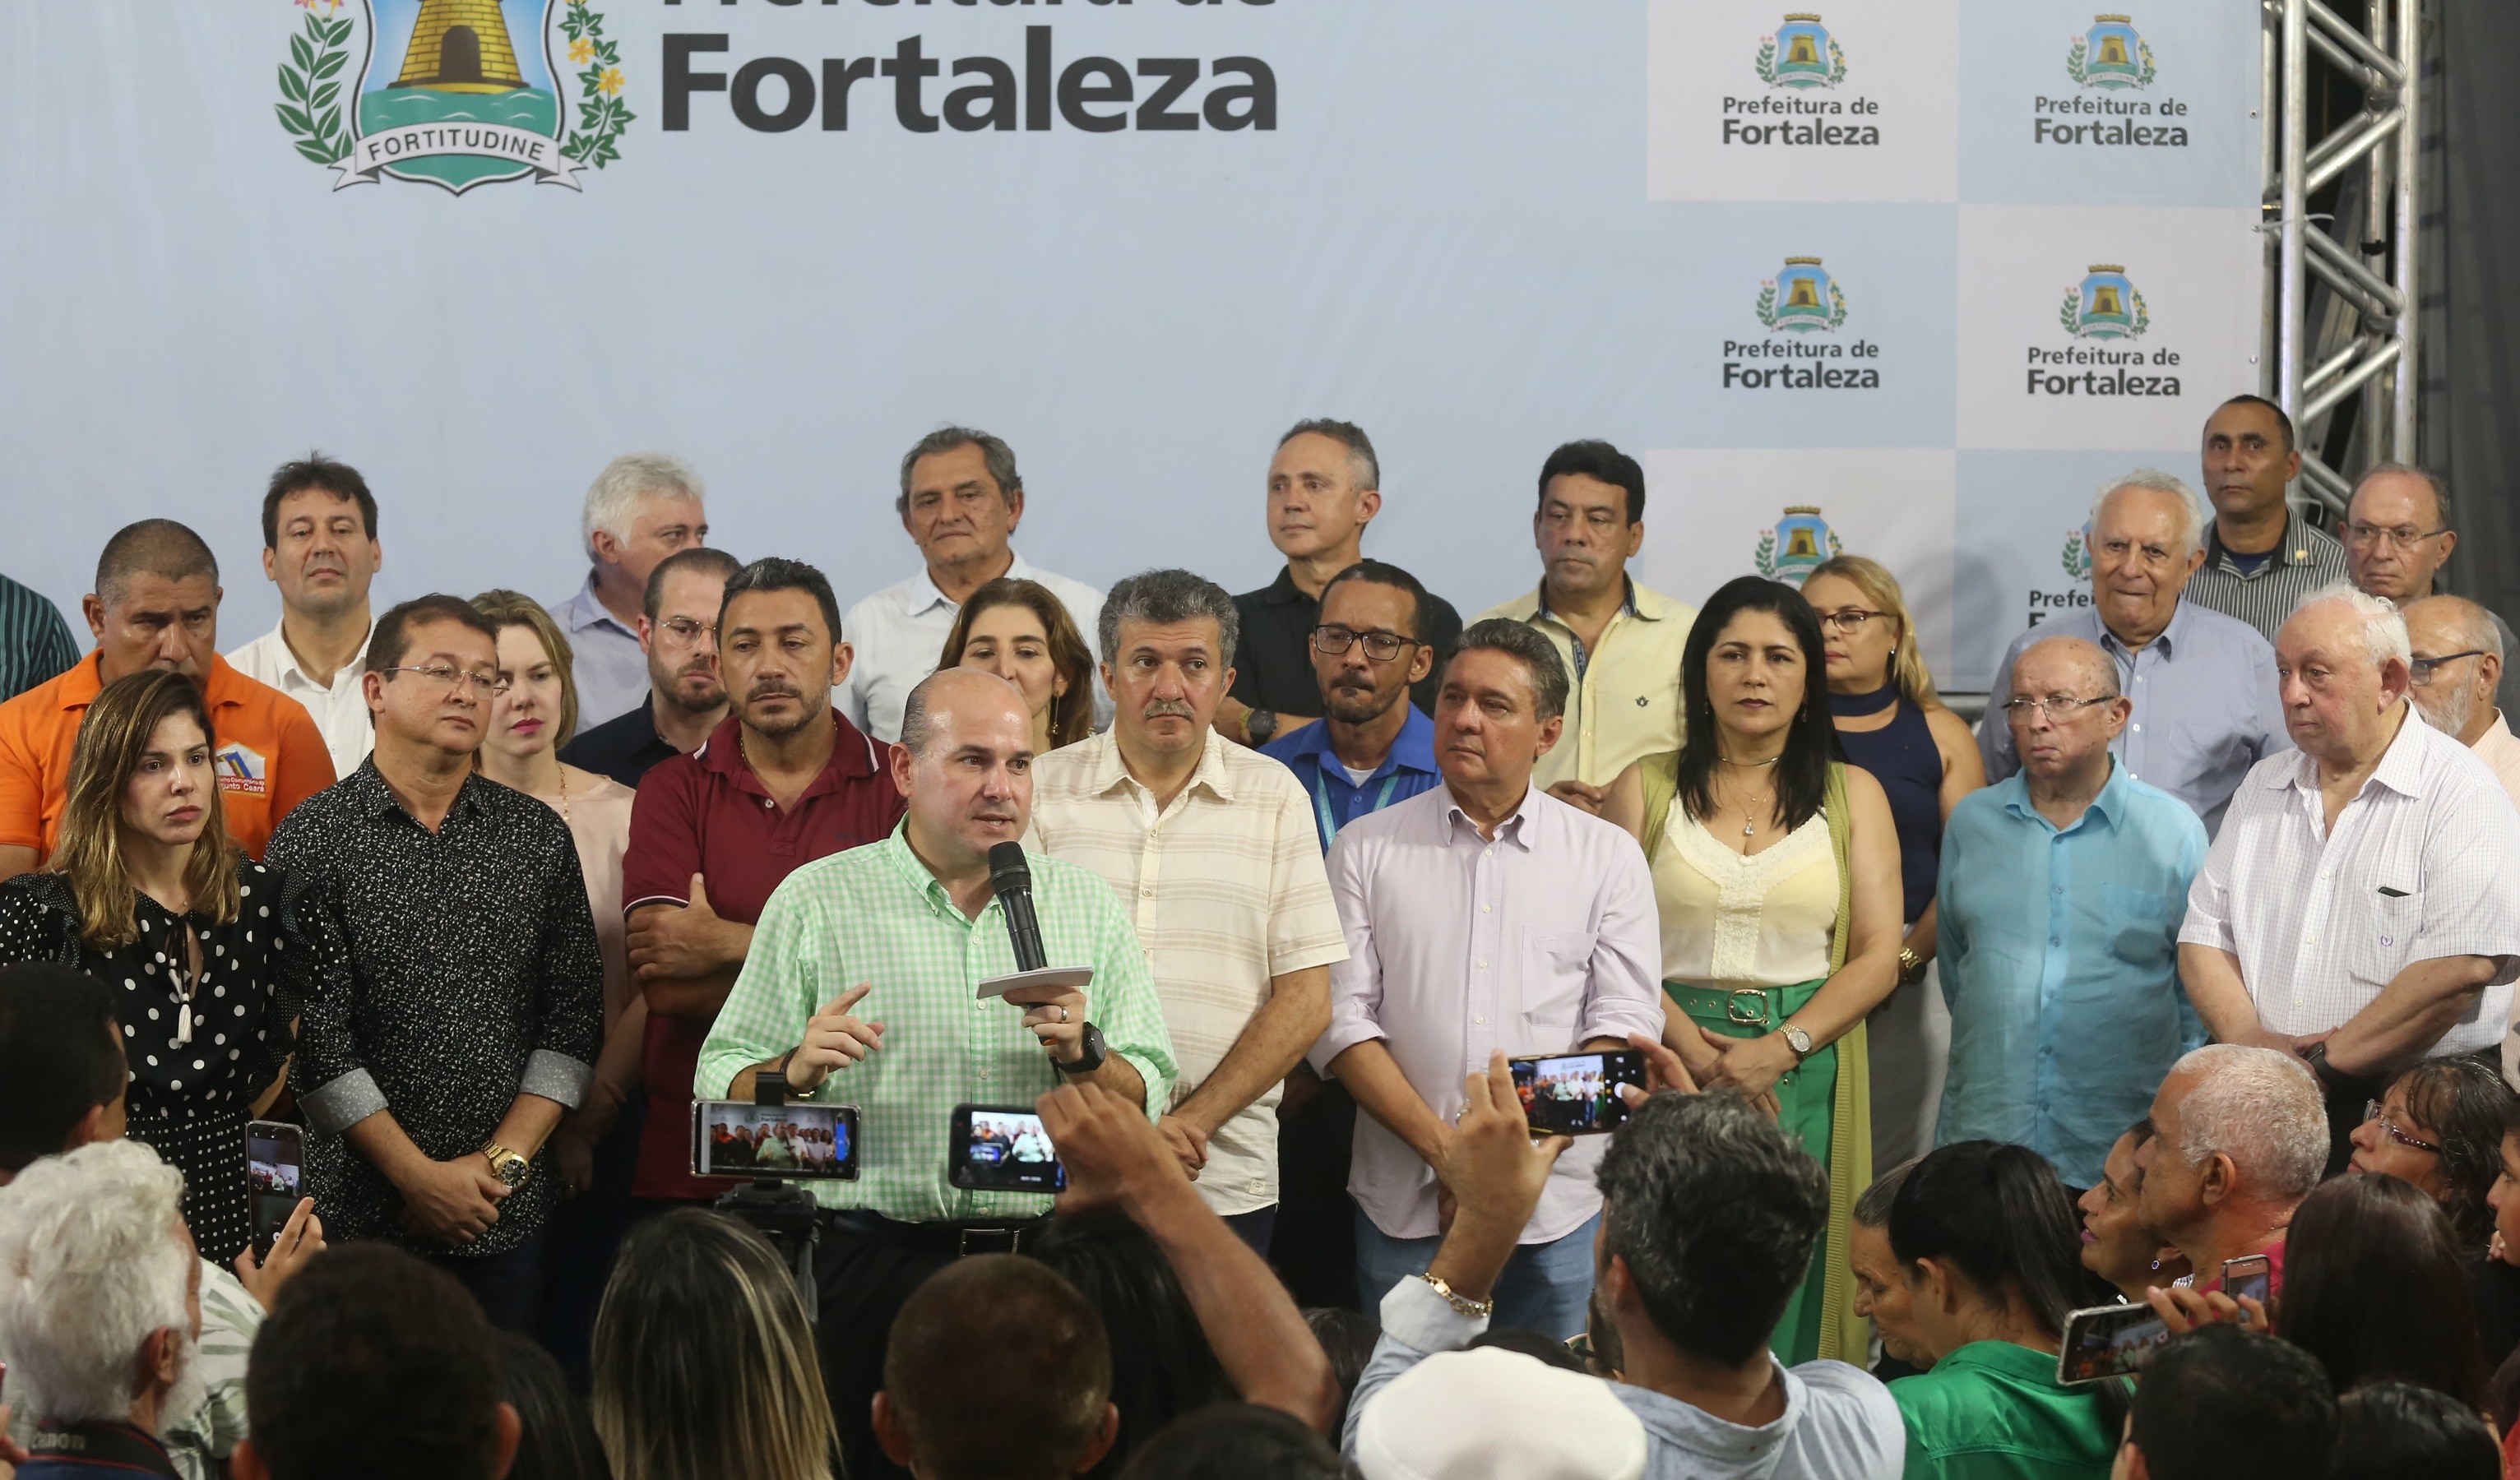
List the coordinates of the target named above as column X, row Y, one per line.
column 1381, row 646
column 2056, row 706
column 685, row 630
column 2422, row 669
column 2374, row 1111
column 453, row 679
column 2397, row 537
column 1848, row 622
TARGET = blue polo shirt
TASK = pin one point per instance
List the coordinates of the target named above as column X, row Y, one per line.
column 1336, row 801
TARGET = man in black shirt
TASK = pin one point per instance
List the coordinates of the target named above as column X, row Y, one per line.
column 460, row 996
column 1324, row 486
column 686, row 697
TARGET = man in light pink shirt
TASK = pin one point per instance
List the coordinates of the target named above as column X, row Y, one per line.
column 2454, row 672
column 1483, row 916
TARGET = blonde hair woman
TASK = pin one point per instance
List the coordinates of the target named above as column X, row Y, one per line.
column 704, row 1362
column 1894, row 725
column 198, row 942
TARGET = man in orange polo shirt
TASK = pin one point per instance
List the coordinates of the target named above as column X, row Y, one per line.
column 156, row 605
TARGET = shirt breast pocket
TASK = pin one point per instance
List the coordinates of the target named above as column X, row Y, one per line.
column 2138, row 925
column 1555, row 965
column 2386, row 941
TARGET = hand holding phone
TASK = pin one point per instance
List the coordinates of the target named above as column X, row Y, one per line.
column 2107, row 1341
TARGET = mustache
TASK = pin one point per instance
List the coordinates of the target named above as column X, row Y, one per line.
column 1169, row 708
column 773, row 688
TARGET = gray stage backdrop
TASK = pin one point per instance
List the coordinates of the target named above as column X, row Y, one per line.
column 1901, row 277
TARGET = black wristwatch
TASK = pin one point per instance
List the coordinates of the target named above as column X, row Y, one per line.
column 1091, row 1055
column 1259, row 725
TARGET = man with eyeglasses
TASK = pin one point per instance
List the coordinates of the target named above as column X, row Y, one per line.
column 2200, row 685
column 2455, row 666
column 1324, row 486
column 2398, row 533
column 1373, row 747
column 1212, row 848
column 2357, row 911
column 686, row 697
column 2061, row 894
column 459, row 1004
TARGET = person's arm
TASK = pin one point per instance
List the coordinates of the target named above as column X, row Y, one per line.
column 22, row 808
column 305, row 764
column 775, row 1008
column 1623, row 802
column 1963, row 772
column 1115, row 1158
column 1265, row 1052
column 1871, row 969
column 1384, row 1092
column 685, row 958
column 1623, row 996
column 1352, row 1049
column 2419, row 1005
column 2220, row 997
column 568, row 1011
column 15, row 860
column 616, row 1078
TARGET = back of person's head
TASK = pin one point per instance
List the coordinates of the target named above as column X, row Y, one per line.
column 1995, row 1217
column 2376, row 1290
column 1714, row 1210
column 2464, row 1104
column 2399, row 1430
column 374, row 1363
column 93, row 1265
column 2227, row 1404
column 1237, row 1441
column 703, row 1358
column 1161, row 1364
column 60, row 1061
column 2260, row 1108
column 556, row 1439
column 997, row 1370
column 1347, row 1338
column 1490, row 1412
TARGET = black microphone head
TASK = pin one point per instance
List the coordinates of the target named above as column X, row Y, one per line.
column 1007, row 869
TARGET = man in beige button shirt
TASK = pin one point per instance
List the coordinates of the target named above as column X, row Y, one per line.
column 2457, row 667
column 1212, row 848
column 1621, row 641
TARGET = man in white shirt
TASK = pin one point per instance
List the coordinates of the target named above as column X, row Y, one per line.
column 642, row 507
column 1710, row 1219
column 960, row 500
column 1211, row 847
column 319, row 547
column 2457, row 668
column 2358, row 907
column 1484, row 915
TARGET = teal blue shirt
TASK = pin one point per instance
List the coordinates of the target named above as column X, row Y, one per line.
column 2059, row 953
column 1993, row 1410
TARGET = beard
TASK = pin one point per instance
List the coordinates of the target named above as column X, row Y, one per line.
column 183, row 1402
column 2450, row 713
column 1359, row 706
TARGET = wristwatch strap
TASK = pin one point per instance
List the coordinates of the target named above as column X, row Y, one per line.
column 1092, row 1053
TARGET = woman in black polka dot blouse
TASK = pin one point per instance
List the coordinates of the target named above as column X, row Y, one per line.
column 146, row 892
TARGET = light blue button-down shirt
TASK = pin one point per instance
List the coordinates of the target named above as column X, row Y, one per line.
column 1408, row 771
column 2204, row 696
column 2059, row 955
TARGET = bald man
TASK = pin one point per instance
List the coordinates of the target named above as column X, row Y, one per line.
column 156, row 605
column 2063, row 890
column 2398, row 533
column 2456, row 664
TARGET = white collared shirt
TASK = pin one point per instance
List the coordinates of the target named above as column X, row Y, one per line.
column 2423, row 862
column 339, row 711
column 897, row 635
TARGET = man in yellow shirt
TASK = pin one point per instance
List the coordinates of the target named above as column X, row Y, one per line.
column 1620, row 640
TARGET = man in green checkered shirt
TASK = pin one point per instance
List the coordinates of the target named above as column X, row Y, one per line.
column 862, row 981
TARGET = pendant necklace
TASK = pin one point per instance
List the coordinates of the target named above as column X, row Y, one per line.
column 1749, row 810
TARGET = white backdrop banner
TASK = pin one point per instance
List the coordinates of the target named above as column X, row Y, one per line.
column 1897, row 277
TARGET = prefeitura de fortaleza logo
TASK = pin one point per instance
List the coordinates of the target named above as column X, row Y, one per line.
column 454, row 93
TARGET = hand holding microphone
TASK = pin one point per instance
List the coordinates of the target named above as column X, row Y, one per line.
column 1055, row 1015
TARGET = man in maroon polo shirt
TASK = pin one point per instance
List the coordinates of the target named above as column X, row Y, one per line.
column 784, row 780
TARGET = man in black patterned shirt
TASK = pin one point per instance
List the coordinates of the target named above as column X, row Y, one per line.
column 460, row 997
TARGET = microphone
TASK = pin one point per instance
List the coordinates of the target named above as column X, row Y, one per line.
column 1012, row 878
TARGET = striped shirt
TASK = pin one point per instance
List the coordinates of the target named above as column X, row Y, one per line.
column 876, row 915
column 36, row 646
column 1228, row 890
column 2303, row 562
column 2419, row 866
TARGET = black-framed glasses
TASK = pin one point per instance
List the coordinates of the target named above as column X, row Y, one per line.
column 2056, row 706
column 454, row 679
column 2374, row 1111
column 2422, row 669
column 1381, row 646
column 1849, row 621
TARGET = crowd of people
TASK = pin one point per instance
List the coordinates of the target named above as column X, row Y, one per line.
column 2198, row 948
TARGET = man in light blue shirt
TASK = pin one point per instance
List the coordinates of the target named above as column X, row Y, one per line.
column 2062, row 891
column 2201, row 684
column 1371, row 747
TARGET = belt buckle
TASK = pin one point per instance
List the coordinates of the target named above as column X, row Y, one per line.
column 1013, row 1238
column 1732, row 1007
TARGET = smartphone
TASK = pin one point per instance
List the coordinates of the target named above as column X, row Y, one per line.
column 2109, row 1341
column 1003, row 1149
column 275, row 1175
column 1577, row 1094
column 792, row 1143
column 2250, row 1275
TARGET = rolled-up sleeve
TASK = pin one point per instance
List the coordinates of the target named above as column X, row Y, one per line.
column 764, row 1014
column 569, row 1020
column 329, row 1072
column 1623, row 993
column 1356, row 983
column 2209, row 898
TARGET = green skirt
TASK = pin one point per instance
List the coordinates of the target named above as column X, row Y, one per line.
column 1826, row 1103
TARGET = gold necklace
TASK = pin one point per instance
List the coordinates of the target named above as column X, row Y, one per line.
column 1749, row 809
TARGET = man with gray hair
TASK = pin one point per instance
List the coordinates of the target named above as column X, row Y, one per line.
column 2200, row 685
column 642, row 507
column 2357, row 910
column 2454, row 663
column 100, row 1310
column 960, row 500
column 1484, row 915
column 1212, row 847
column 2239, row 1138
column 2399, row 532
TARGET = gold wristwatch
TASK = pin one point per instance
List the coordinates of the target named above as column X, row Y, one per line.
column 1476, row 1310
column 506, row 1165
column 1911, row 968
